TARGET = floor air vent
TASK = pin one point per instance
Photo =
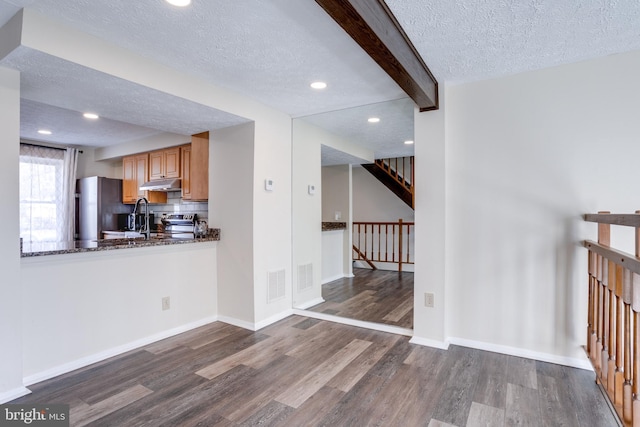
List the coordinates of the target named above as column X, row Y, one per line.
column 276, row 285
column 305, row 277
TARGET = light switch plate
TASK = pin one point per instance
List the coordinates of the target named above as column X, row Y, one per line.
column 268, row 184
column 312, row 189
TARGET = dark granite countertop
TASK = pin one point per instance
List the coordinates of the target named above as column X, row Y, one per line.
column 33, row 249
column 330, row 226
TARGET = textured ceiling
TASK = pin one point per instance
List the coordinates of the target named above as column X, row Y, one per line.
column 463, row 41
column 385, row 138
column 271, row 49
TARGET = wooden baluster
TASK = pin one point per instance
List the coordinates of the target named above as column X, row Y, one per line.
column 604, row 238
column 594, row 311
column 599, row 314
column 627, row 400
column 379, row 237
column 590, row 309
column 620, row 350
column 608, row 329
column 400, row 245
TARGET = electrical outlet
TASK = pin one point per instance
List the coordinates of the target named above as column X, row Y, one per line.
column 429, row 300
column 166, row 303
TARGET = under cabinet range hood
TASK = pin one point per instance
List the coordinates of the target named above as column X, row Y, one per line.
column 166, row 184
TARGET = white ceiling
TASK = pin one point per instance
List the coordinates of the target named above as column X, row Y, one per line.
column 272, row 49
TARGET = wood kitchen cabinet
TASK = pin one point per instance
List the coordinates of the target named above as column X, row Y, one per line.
column 195, row 168
column 164, row 163
column 135, row 170
column 186, row 171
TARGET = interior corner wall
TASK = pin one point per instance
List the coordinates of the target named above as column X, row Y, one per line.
column 337, row 196
column 527, row 156
column 307, row 208
column 88, row 166
column 372, row 201
column 272, row 214
column 335, row 192
column 231, row 158
column 430, row 222
column 10, row 289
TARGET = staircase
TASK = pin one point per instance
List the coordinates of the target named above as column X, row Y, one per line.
column 397, row 175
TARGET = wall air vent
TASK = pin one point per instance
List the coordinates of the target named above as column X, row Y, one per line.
column 305, row 277
column 276, row 286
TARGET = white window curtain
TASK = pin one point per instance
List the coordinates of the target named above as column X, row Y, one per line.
column 47, row 191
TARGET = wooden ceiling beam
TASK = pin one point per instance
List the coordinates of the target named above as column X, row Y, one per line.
column 372, row 25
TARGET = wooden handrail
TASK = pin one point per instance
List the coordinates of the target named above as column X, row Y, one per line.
column 385, row 242
column 630, row 262
column 613, row 320
column 629, row 220
column 390, row 166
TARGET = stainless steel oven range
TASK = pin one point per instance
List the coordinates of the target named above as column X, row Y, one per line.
column 179, row 226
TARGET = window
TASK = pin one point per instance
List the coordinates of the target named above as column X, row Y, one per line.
column 42, row 195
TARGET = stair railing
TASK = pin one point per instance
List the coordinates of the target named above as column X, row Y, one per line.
column 384, row 242
column 613, row 321
column 400, row 169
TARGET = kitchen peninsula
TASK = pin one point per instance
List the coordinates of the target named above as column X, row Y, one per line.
column 32, row 249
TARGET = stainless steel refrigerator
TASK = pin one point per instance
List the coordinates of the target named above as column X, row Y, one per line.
column 99, row 207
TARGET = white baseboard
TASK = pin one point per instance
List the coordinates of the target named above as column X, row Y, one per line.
column 352, row 322
column 273, row 319
column 311, row 303
column 257, row 325
column 10, row 395
column 331, row 279
column 97, row 357
column 520, row 352
column 443, row 345
column 237, row 322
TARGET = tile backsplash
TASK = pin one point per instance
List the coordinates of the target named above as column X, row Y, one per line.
column 175, row 204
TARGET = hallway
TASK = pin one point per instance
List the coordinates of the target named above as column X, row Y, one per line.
column 372, row 295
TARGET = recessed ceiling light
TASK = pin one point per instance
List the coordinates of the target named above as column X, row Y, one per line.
column 373, row 119
column 44, row 132
column 318, row 85
column 179, row 3
column 90, row 116
column 408, row 142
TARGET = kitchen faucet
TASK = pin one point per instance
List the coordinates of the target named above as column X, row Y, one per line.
column 145, row 229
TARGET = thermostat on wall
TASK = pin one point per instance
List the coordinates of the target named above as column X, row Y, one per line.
column 268, row 184
column 312, row 189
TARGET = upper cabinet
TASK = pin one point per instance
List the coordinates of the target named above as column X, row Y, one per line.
column 189, row 162
column 164, row 163
column 198, row 174
column 186, row 171
column 135, row 173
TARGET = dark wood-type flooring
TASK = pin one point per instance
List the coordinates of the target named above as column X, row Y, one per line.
column 309, row 372
column 372, row 295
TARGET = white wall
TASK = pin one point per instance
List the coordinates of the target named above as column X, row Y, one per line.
column 332, row 255
column 337, row 195
column 307, row 209
column 372, row 201
column 10, row 289
column 272, row 216
column 81, row 307
column 231, row 209
column 430, row 219
column 527, row 155
column 336, row 192
column 142, row 145
column 88, row 166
